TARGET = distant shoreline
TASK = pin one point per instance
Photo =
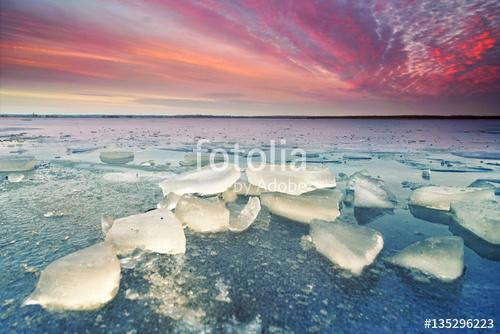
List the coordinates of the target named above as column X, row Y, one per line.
column 253, row 117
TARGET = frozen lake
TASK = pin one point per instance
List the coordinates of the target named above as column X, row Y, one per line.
column 261, row 280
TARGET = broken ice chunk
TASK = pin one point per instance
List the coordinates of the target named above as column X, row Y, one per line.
column 169, row 202
column 15, row 177
column 209, row 180
column 16, row 163
column 247, row 216
column 480, row 217
column 487, row 183
column 83, row 280
column 439, row 198
column 116, row 157
column 370, row 192
column 154, row 231
column 351, row 247
column 202, row 215
column 441, row 257
column 55, row 214
column 289, row 180
column 323, row 204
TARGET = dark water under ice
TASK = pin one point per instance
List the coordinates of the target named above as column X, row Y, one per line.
column 262, row 280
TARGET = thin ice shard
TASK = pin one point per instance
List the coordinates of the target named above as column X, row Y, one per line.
column 209, row 180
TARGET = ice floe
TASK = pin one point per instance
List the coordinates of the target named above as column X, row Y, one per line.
column 370, row 192
column 351, row 247
column 209, row 180
column 482, row 218
column 289, row 179
column 84, row 280
column 154, row 231
column 440, row 257
column 17, row 163
column 487, row 183
column 322, row 204
column 246, row 216
column 203, row 215
column 15, row 177
column 116, row 157
column 439, row 198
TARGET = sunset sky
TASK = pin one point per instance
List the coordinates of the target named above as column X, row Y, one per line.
column 254, row 57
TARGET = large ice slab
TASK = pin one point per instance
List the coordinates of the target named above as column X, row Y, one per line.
column 323, row 204
column 370, row 192
column 441, row 257
column 17, row 163
column 351, row 247
column 83, row 280
column 479, row 217
column 209, row 180
column 116, row 157
column 155, row 231
column 289, row 180
column 203, row 215
column 439, row 198
column 246, row 216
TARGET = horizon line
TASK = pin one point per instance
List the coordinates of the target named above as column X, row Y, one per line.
column 254, row 116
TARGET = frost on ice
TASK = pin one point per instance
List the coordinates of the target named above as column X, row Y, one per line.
column 246, row 216
column 441, row 257
column 83, row 280
column 289, row 180
column 17, row 163
column 370, row 192
column 481, row 218
column 323, row 204
column 116, row 157
column 121, row 177
column 154, row 231
column 209, row 180
column 203, row 215
column 439, row 198
column 351, row 247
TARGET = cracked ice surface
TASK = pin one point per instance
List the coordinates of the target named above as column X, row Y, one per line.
column 269, row 278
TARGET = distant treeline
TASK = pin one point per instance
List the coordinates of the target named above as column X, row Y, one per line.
column 257, row 117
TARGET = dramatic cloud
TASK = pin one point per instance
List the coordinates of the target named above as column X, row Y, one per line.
column 238, row 56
